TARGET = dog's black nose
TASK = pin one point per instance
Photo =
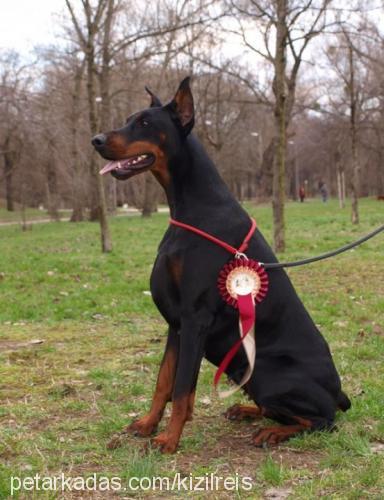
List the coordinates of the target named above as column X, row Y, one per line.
column 99, row 140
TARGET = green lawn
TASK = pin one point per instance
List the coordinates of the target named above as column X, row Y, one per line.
column 62, row 400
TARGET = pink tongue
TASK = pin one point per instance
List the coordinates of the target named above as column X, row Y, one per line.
column 108, row 167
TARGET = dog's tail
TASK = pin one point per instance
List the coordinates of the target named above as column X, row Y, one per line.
column 343, row 402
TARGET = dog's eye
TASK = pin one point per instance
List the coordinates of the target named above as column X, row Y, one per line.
column 141, row 122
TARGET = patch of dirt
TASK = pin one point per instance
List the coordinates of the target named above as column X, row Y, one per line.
column 231, row 447
column 234, row 445
column 228, row 449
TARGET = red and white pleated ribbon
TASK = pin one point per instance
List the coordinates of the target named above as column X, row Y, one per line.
column 242, row 283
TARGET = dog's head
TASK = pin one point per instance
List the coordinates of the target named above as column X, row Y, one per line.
column 150, row 138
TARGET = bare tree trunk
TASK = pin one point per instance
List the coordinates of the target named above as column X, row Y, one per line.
column 150, row 201
column 99, row 208
column 52, row 198
column 340, row 179
column 105, row 79
column 93, row 13
column 297, row 177
column 380, row 175
column 339, row 189
column 354, row 174
column 266, row 168
column 150, row 197
column 284, row 16
column 8, row 173
column 113, row 195
column 23, row 214
column 94, row 128
column 280, row 91
column 77, row 188
column 134, row 194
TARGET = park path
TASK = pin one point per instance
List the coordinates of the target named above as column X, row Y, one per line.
column 130, row 212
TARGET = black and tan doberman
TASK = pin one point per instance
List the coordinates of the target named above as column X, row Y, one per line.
column 294, row 380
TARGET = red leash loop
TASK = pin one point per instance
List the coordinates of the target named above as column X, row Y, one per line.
column 219, row 242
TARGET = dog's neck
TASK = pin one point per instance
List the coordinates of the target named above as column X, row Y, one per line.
column 196, row 190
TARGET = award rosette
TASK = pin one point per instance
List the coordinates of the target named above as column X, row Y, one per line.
column 242, row 283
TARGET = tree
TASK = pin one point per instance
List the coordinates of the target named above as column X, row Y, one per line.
column 292, row 24
column 353, row 108
column 349, row 103
column 45, row 132
column 75, row 110
column 13, row 94
column 95, row 17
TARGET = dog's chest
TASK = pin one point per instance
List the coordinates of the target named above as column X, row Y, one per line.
column 182, row 281
column 165, row 286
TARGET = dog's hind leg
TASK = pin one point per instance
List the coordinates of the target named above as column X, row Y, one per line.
column 243, row 412
column 269, row 436
column 147, row 425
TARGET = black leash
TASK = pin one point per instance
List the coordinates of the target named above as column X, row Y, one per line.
column 278, row 265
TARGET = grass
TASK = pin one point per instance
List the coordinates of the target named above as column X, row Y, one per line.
column 61, row 400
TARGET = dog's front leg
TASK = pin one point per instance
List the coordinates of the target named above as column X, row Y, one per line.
column 192, row 341
column 146, row 425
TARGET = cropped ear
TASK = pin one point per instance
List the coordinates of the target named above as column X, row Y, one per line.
column 155, row 101
column 182, row 106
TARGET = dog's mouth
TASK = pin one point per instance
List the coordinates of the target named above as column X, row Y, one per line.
column 127, row 167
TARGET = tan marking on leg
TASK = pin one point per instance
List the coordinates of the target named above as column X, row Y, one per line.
column 168, row 440
column 146, row 425
column 191, row 404
column 242, row 412
column 275, row 435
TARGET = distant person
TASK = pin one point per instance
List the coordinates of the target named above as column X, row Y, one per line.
column 302, row 194
column 323, row 191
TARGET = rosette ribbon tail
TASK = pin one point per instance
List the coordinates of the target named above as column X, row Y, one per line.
column 247, row 319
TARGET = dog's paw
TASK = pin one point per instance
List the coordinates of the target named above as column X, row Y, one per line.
column 234, row 413
column 143, row 427
column 242, row 412
column 164, row 443
column 271, row 436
